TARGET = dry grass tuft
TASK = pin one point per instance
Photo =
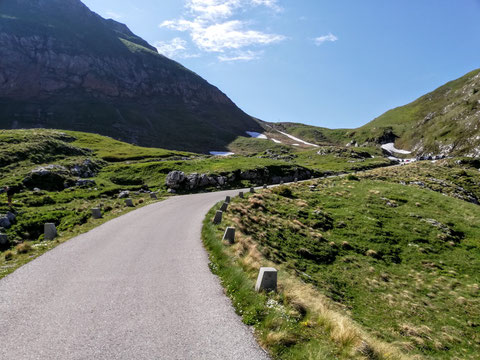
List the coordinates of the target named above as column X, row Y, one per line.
column 23, row 248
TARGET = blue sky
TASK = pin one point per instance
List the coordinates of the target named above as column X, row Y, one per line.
column 326, row 63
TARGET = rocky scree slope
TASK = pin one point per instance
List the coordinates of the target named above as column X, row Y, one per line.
column 63, row 66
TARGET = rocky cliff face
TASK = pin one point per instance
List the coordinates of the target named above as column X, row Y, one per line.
column 63, row 66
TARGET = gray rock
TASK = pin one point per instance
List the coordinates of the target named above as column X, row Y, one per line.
column 5, row 222
column 124, row 194
column 172, row 191
column 267, row 279
column 11, row 216
column 84, row 182
column 3, row 240
column 174, row 179
column 86, row 169
column 153, row 196
column 129, row 202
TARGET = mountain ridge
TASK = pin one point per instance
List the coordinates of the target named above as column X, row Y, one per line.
column 63, row 66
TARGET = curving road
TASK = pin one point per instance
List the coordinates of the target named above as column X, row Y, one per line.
column 137, row 287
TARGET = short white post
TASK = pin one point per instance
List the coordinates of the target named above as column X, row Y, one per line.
column 96, row 213
column 252, row 190
column 50, row 231
column 229, row 235
column 227, row 199
column 267, row 279
column 240, row 194
column 265, row 186
column 218, row 217
column 129, row 202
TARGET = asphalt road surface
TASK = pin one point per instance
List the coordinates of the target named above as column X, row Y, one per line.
column 137, row 287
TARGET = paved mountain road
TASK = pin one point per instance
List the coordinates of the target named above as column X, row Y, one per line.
column 136, row 287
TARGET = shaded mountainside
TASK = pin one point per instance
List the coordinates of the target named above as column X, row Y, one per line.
column 63, row 66
column 445, row 121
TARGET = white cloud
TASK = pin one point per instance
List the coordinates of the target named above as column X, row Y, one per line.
column 113, row 15
column 247, row 55
column 175, row 48
column 212, row 27
column 321, row 39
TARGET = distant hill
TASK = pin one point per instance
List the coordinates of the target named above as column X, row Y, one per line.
column 63, row 66
column 445, row 121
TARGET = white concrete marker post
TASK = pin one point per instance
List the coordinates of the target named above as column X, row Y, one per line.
column 265, row 186
column 267, row 279
column 218, row 217
column 129, row 202
column 227, row 199
column 224, row 207
column 50, row 231
column 240, row 194
column 3, row 239
column 96, row 213
column 229, row 235
column 252, row 190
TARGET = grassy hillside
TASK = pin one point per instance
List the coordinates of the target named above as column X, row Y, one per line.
column 379, row 266
column 441, row 122
column 65, row 196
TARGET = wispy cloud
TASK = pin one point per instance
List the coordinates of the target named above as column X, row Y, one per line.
column 325, row 38
column 113, row 15
column 247, row 55
column 175, row 48
column 214, row 28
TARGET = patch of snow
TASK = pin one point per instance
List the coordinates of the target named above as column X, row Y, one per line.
column 276, row 141
column 221, row 153
column 297, row 139
column 256, row 135
column 390, row 147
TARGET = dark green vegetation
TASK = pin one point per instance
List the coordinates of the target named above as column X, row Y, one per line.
column 63, row 66
column 441, row 122
column 399, row 258
column 61, row 175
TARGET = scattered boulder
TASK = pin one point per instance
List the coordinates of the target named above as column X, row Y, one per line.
column 50, row 177
column 124, row 194
column 5, row 222
column 87, row 169
column 85, row 182
column 175, row 179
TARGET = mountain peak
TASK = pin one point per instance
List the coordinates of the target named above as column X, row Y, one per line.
column 64, row 66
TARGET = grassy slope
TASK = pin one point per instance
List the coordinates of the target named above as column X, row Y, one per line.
column 375, row 251
column 454, row 105
column 444, row 117
column 121, row 167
